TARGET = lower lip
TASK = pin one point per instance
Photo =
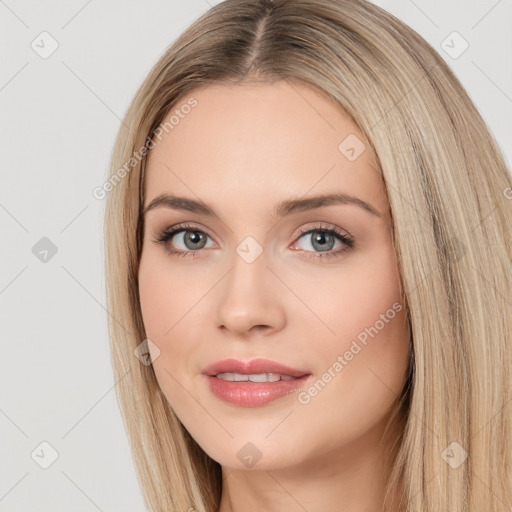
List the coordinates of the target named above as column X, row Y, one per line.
column 253, row 394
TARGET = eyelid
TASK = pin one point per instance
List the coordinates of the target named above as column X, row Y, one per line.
column 323, row 226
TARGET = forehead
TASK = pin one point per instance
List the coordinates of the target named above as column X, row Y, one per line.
column 260, row 143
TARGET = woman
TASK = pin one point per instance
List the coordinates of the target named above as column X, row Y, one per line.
column 308, row 267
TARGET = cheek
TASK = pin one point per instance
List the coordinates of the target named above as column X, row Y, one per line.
column 368, row 349
column 162, row 304
column 152, row 301
column 359, row 298
column 168, row 299
column 364, row 366
column 162, row 295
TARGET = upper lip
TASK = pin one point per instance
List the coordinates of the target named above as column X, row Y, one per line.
column 253, row 367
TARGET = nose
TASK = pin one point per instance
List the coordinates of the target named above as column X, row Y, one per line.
column 250, row 299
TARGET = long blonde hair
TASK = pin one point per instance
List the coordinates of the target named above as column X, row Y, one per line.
column 450, row 194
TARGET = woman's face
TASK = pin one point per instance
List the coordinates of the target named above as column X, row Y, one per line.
column 261, row 278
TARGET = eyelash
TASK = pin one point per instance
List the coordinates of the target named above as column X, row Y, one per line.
column 164, row 236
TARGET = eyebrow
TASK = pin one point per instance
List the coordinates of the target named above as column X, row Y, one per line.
column 281, row 210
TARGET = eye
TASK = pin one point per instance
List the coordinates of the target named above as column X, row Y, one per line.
column 323, row 238
column 320, row 238
column 191, row 239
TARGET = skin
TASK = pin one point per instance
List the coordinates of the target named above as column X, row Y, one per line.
column 243, row 149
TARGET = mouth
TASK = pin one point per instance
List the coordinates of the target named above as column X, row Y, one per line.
column 255, row 383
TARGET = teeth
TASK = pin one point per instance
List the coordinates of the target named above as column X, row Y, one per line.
column 260, row 377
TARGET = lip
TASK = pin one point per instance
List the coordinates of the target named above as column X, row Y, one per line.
column 253, row 367
column 253, row 394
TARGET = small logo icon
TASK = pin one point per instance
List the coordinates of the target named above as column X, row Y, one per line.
column 147, row 352
column 454, row 45
column 456, row 249
column 249, row 455
column 44, row 250
column 351, row 147
column 454, row 455
column 44, row 45
column 45, row 455
column 249, row 249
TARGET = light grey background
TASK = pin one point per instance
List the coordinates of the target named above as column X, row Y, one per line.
column 58, row 119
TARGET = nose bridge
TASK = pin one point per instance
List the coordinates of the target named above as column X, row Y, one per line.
column 249, row 266
column 248, row 298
